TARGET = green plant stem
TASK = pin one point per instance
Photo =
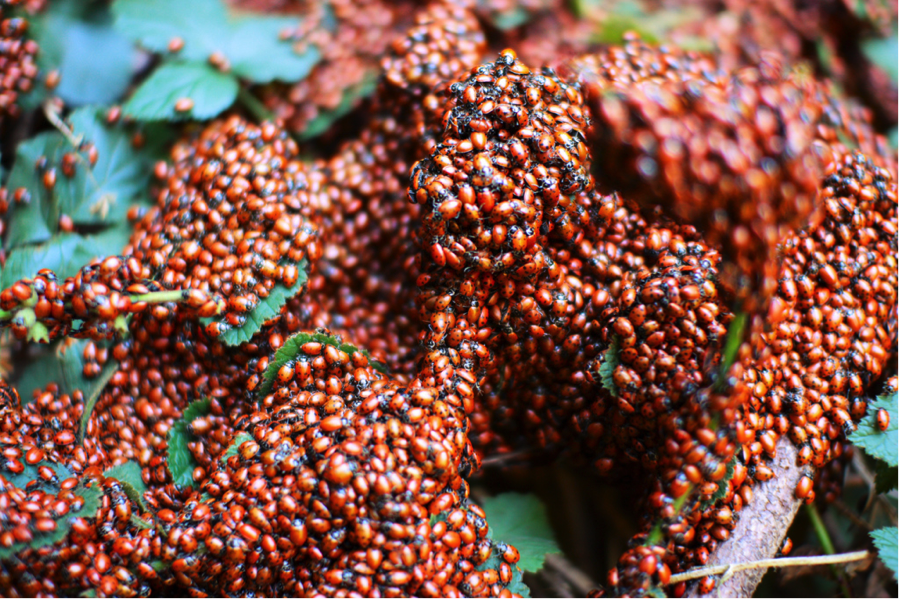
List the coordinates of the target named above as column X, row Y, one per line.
column 655, row 535
column 159, row 297
column 253, row 105
column 732, row 342
column 826, row 544
column 820, row 530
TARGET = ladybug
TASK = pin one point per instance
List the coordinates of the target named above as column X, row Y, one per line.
column 883, row 419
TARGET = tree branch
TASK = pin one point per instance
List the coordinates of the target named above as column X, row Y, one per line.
column 762, row 526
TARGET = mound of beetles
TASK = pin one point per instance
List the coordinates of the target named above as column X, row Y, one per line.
column 233, row 222
column 736, row 154
column 832, row 323
column 17, row 54
column 825, row 344
column 515, row 306
column 344, row 482
column 743, row 31
column 365, row 280
column 65, row 528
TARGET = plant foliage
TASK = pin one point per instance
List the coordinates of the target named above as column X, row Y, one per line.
column 95, row 62
column 180, row 461
column 883, row 445
column 265, row 310
column 886, row 540
column 91, row 496
column 95, row 197
column 234, row 448
column 64, row 365
column 293, row 347
column 607, row 367
column 210, row 92
column 129, row 476
column 521, row 520
column 252, row 45
column 206, row 52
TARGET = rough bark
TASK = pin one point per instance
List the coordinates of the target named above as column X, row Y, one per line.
column 762, row 526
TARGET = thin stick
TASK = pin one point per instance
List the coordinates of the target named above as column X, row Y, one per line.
column 873, row 495
column 847, row 511
column 867, row 477
column 573, row 575
column 503, row 459
column 52, row 114
column 51, row 111
column 782, row 562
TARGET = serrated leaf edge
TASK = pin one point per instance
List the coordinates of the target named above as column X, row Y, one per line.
column 292, row 347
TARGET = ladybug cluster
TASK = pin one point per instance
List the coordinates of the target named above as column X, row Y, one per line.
column 826, row 35
column 232, row 221
column 345, row 482
column 733, row 153
column 17, row 54
column 545, row 259
column 807, row 376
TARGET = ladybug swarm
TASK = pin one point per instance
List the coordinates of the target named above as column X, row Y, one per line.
column 547, row 259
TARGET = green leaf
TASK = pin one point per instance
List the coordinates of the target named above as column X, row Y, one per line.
column 883, row 445
column 181, row 462
column 886, row 476
column 140, row 523
column 516, row 585
column 511, row 18
column 607, row 367
column 265, row 310
column 153, row 24
column 30, row 473
column 252, row 45
column 722, row 485
column 520, row 520
column 886, row 539
column 65, row 254
column 132, row 481
column 34, row 221
column 210, row 90
column 293, row 347
column 257, row 53
column 95, row 195
column 94, row 60
column 653, row 26
column 64, row 365
column 655, row 591
column 884, row 53
column 234, row 448
column 90, row 495
column 119, row 175
column 893, row 138
column 351, row 97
